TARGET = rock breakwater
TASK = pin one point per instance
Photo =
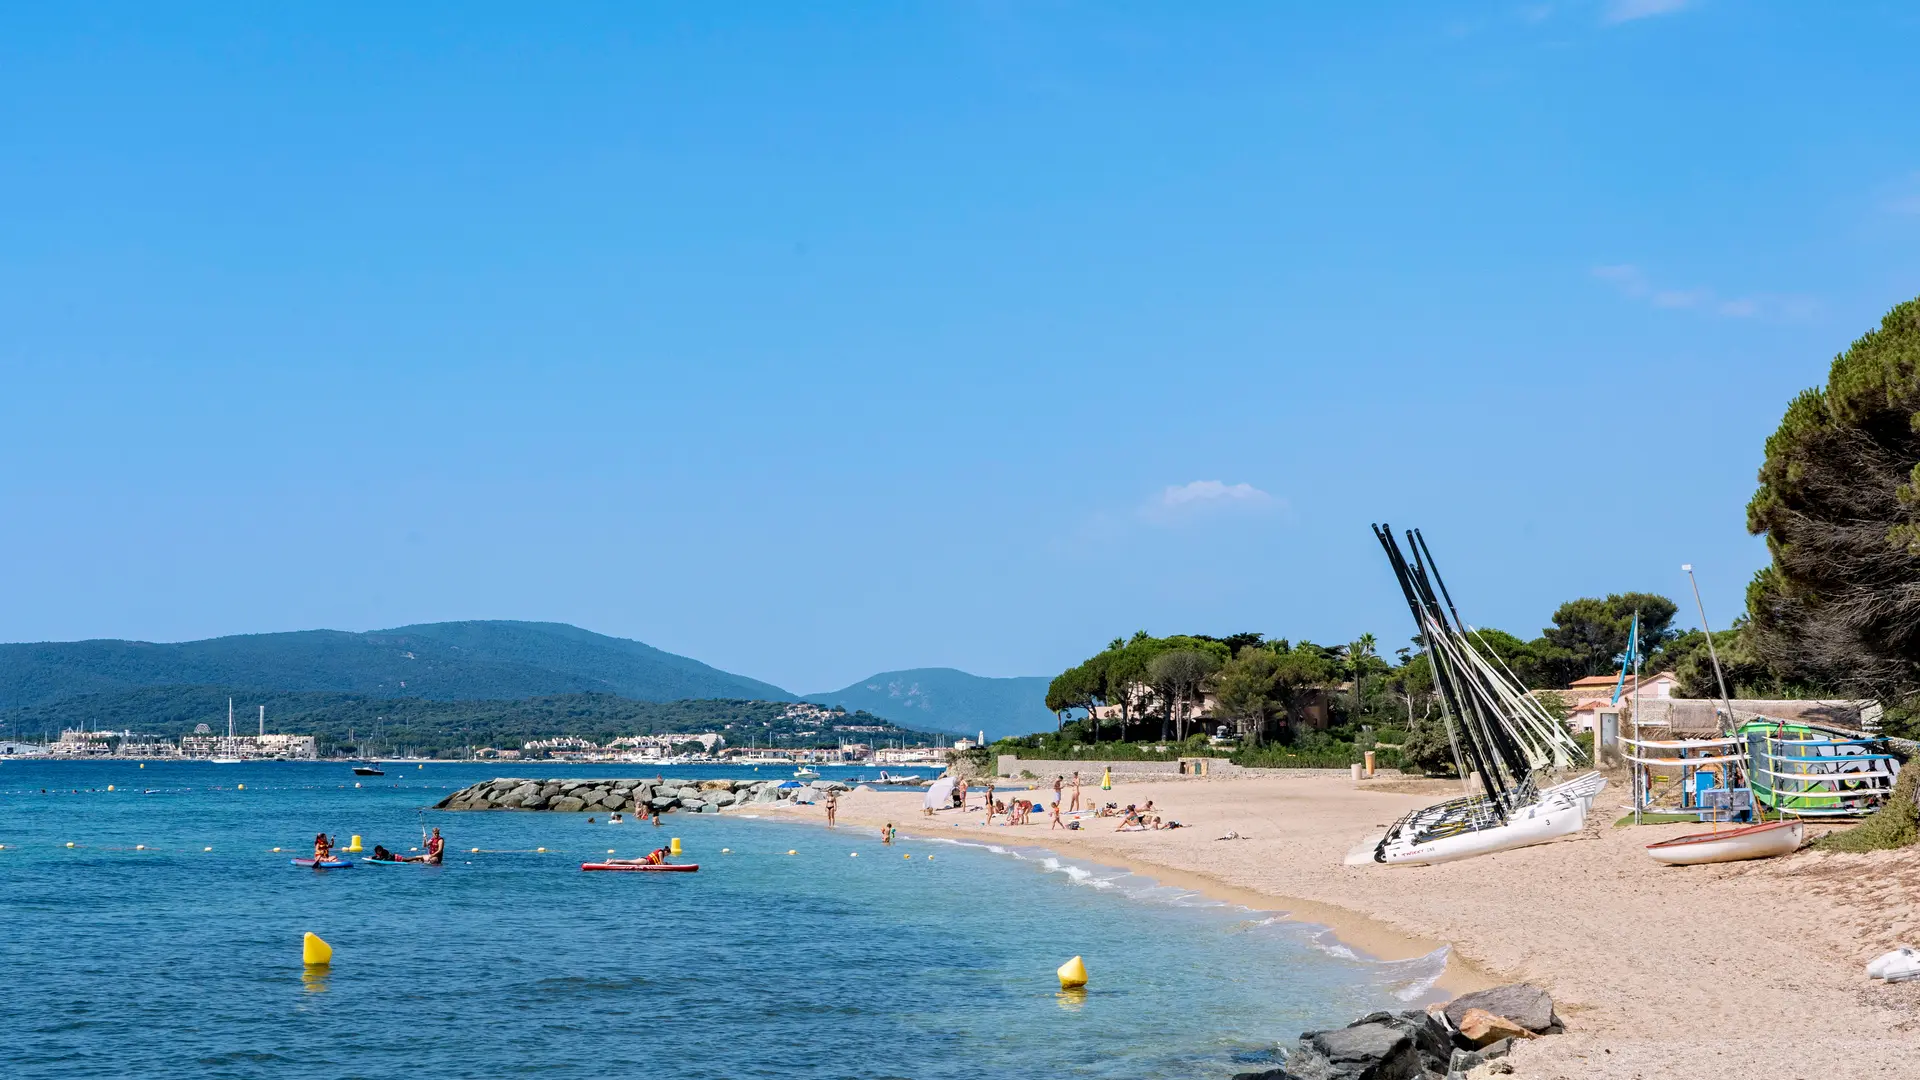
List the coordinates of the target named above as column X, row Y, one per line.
column 1465, row 1040
column 640, row 796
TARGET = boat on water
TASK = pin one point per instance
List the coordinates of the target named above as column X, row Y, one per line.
column 806, row 772
column 368, row 769
column 1732, row 845
column 888, row 778
column 1499, row 732
column 226, row 755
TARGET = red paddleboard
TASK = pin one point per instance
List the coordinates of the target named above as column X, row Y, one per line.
column 684, row 868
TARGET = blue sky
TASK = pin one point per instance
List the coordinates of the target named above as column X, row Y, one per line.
column 818, row 340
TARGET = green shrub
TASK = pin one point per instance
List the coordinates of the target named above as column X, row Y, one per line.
column 1895, row 825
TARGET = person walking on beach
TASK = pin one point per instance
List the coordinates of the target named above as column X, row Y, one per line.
column 833, row 806
column 1058, row 783
column 1074, row 807
column 1057, row 823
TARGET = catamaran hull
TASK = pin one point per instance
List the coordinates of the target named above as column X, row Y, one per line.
column 1535, row 824
column 1754, row 842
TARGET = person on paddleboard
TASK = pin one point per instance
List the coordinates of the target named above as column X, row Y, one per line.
column 436, row 848
column 322, row 848
column 657, row 857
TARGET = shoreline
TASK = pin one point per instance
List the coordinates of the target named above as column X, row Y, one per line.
column 1368, row 937
column 1658, row 971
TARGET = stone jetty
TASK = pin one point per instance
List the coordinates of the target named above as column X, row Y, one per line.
column 640, row 796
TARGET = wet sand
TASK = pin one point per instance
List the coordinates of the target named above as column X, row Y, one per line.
column 1731, row 970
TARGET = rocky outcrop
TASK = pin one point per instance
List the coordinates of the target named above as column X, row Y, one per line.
column 639, row 796
column 1448, row 1043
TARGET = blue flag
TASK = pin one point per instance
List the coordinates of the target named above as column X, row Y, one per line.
column 1633, row 645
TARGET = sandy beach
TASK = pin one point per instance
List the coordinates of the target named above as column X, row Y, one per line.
column 1741, row 969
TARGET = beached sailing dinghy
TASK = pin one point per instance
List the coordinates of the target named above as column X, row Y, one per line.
column 1500, row 734
column 1732, row 845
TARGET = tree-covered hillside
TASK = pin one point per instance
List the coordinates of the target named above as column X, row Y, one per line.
column 355, row 723
column 945, row 699
column 438, row 661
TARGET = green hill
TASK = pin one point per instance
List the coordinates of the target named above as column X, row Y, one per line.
column 944, row 699
column 453, row 661
column 356, row 722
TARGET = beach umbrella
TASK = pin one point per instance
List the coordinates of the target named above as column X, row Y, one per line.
column 940, row 794
column 790, row 784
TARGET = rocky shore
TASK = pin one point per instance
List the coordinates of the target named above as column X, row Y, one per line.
column 640, row 796
column 1467, row 1038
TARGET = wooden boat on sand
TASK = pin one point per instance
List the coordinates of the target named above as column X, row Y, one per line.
column 1732, row 845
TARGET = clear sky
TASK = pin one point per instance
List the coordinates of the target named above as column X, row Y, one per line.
column 818, row 340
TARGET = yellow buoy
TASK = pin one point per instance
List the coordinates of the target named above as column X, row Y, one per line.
column 314, row 952
column 143, row 764
column 206, row 849
column 1072, row 974
column 69, row 843
column 419, row 766
column 276, row 849
column 673, row 846
column 109, row 787
column 853, row 854
column 356, row 783
column 726, row 851
column 355, row 846
column 609, row 851
column 539, row 849
column 906, row 856
column 476, row 851
column 237, row 787
column 790, row 851
column 139, row 847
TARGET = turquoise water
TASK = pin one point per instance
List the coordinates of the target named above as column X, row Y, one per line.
column 179, row 961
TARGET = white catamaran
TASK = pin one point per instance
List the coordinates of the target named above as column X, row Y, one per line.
column 1500, row 734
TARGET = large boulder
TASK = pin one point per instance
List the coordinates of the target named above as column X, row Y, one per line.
column 1523, row 1003
column 566, row 804
column 766, row 794
column 1478, row 1028
column 661, row 802
column 709, row 808
column 1368, row 1052
column 536, row 802
column 716, row 785
column 1429, row 1034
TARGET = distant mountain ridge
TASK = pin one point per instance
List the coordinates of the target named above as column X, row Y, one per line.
column 450, row 661
column 947, row 699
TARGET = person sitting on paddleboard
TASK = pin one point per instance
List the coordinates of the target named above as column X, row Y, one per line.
column 436, row 848
column 322, row 848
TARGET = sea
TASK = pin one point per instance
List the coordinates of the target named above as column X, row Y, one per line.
column 151, row 925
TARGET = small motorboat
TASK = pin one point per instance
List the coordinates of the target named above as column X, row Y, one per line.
column 684, row 868
column 806, row 773
column 1732, row 845
column 368, row 770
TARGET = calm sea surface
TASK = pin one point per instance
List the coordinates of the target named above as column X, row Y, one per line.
column 181, row 961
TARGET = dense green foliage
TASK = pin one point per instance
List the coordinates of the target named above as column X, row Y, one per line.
column 1839, row 505
column 354, row 723
column 942, row 699
column 1895, row 825
column 456, row 661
